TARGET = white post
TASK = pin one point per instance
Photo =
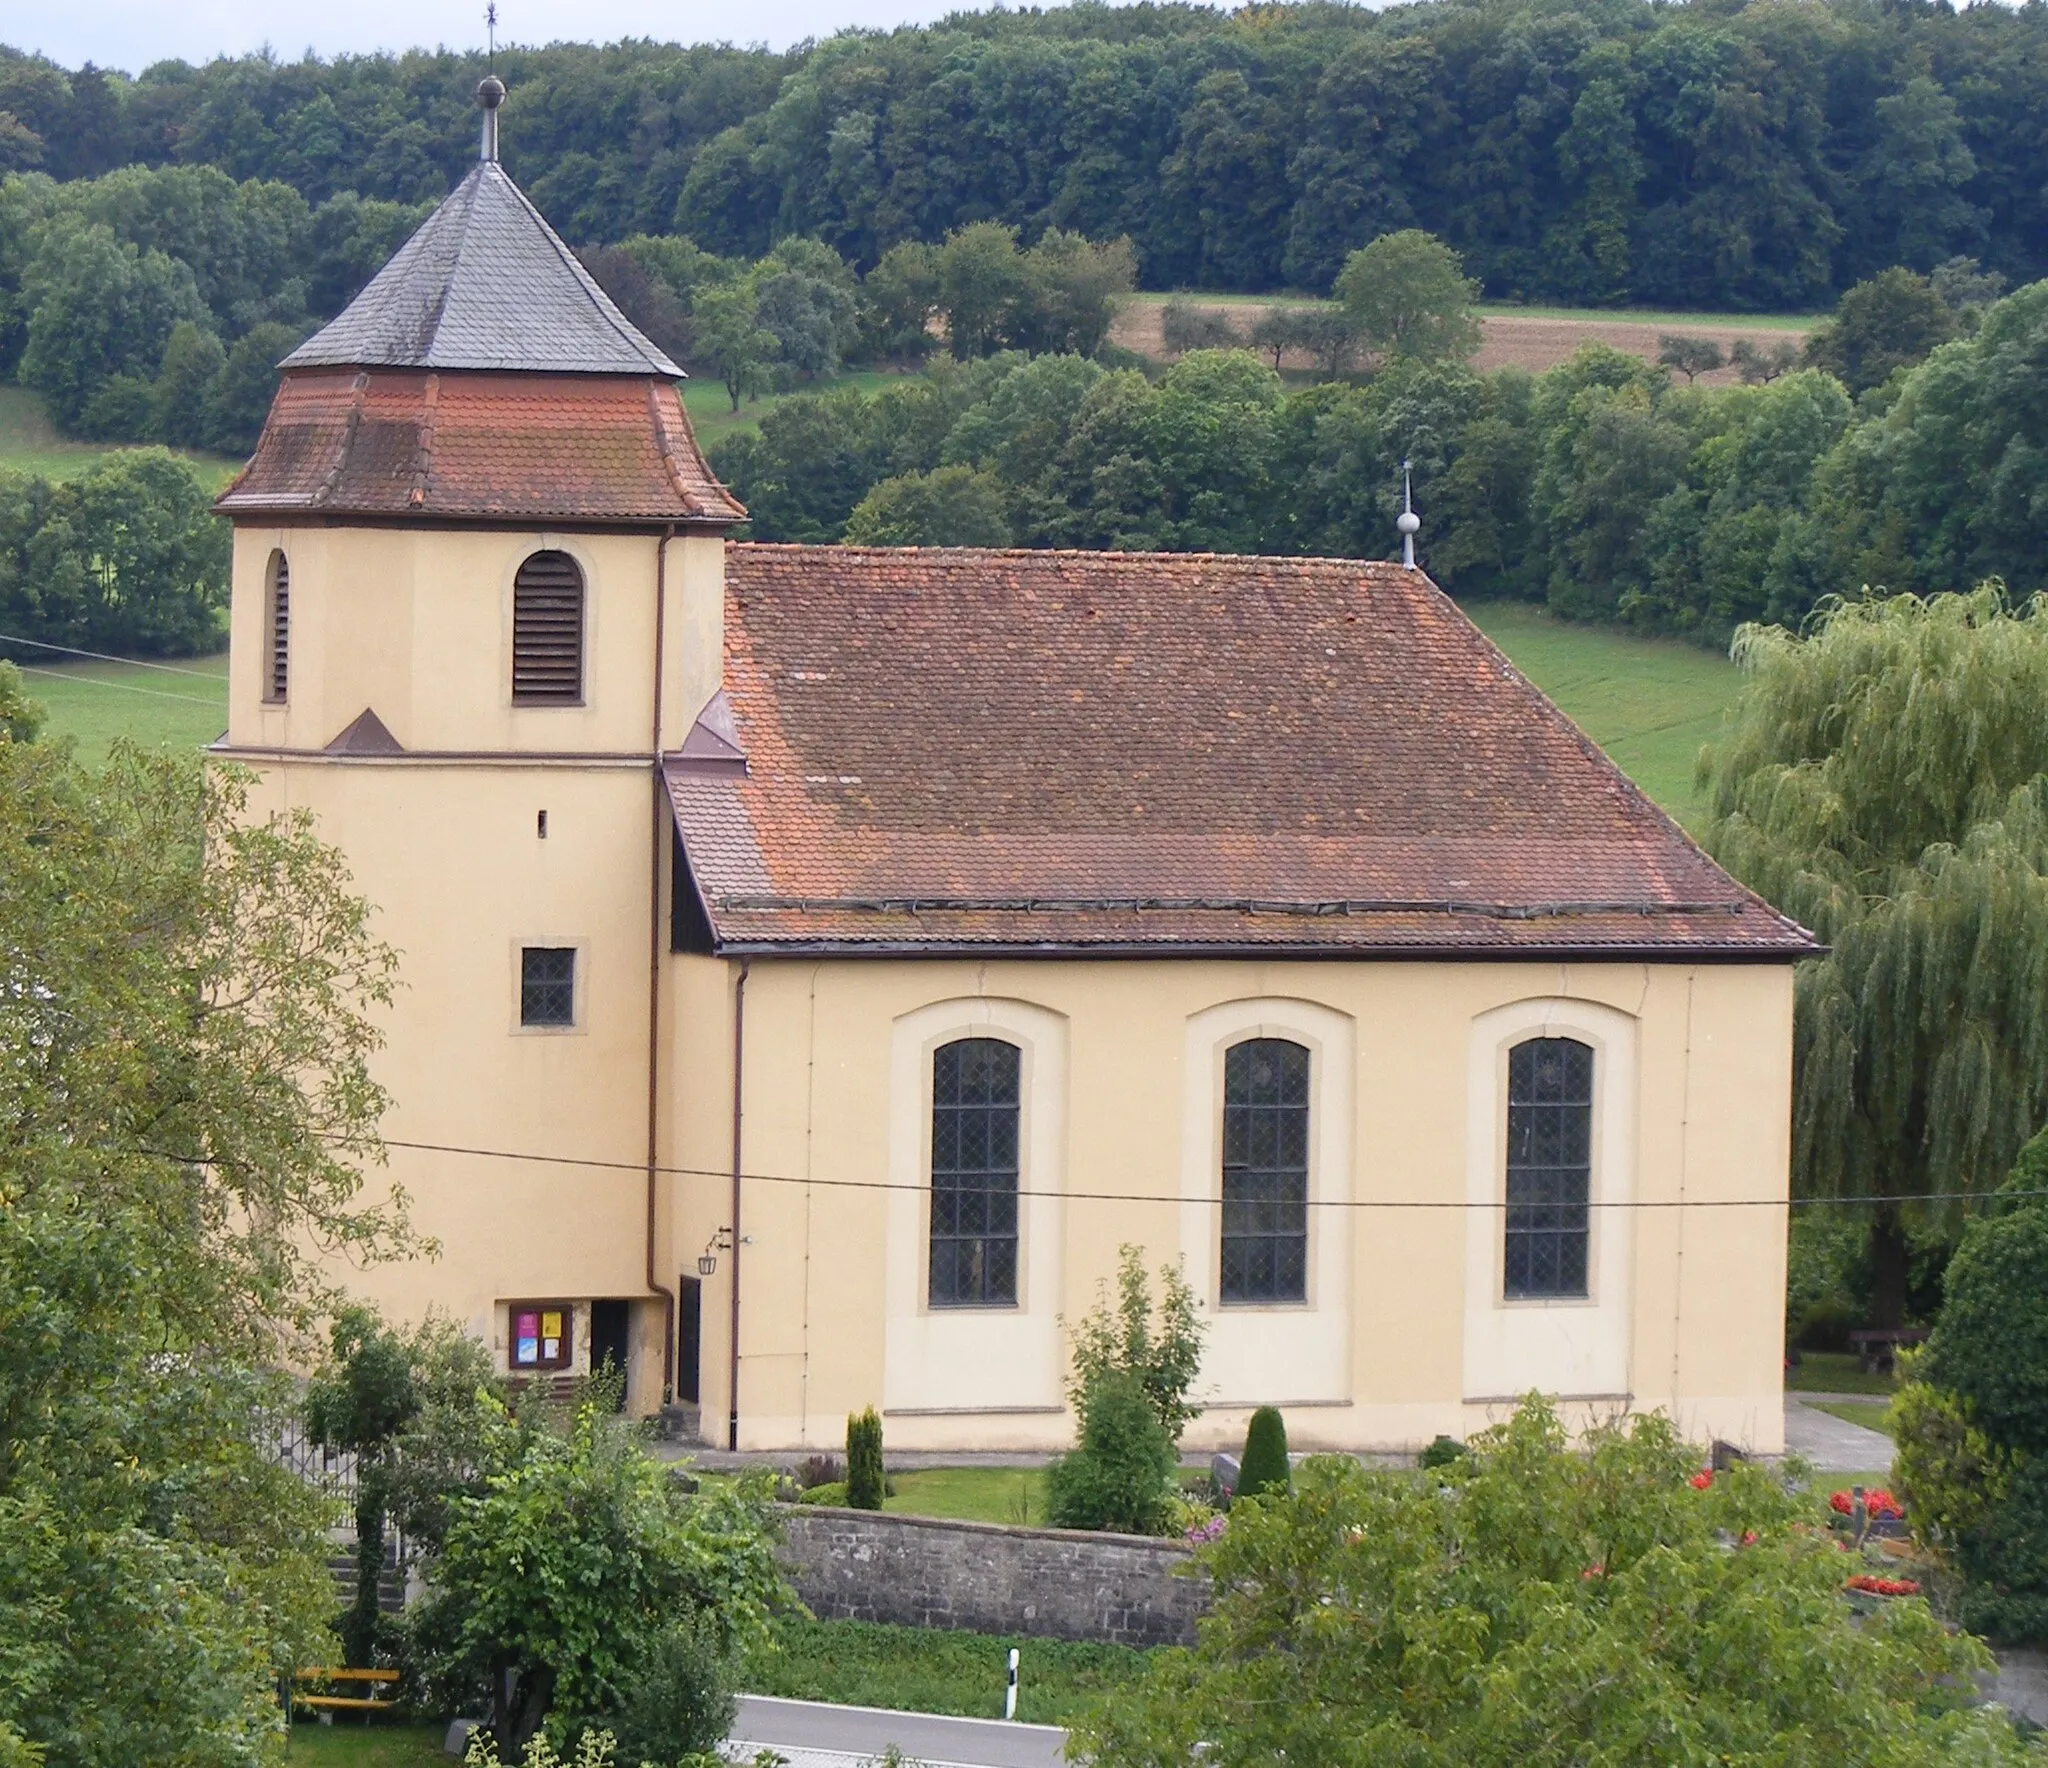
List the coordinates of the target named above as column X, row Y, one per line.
column 1010, row 1694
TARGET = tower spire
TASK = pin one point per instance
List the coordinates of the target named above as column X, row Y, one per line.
column 490, row 91
column 1408, row 522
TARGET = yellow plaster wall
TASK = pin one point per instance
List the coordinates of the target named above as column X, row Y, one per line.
column 417, row 624
column 1699, row 1304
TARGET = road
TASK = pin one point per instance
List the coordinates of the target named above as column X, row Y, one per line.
column 812, row 1734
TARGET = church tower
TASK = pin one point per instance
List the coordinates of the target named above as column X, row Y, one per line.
column 478, row 592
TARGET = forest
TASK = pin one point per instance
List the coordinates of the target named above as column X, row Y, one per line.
column 1711, row 155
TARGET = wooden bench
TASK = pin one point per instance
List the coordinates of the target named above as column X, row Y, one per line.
column 1875, row 1347
column 381, row 1698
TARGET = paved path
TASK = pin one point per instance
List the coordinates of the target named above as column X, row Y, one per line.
column 812, row 1734
column 1833, row 1444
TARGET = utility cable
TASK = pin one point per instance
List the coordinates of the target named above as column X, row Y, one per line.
column 705, row 1172
column 13, row 638
column 122, row 687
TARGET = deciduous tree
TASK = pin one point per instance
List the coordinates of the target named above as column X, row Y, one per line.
column 1886, row 782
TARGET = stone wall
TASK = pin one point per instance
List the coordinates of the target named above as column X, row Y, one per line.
column 916, row 1571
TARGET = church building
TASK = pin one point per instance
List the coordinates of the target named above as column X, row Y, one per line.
column 817, row 962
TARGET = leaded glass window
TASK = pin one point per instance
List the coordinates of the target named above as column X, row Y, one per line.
column 1265, row 1171
column 547, row 985
column 1550, row 1167
column 975, row 1113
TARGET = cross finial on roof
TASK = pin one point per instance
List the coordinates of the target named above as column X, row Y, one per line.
column 1408, row 522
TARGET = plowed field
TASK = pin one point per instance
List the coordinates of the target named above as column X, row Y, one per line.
column 1533, row 341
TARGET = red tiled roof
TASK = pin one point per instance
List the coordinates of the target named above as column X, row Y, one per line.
column 1040, row 750
column 479, row 446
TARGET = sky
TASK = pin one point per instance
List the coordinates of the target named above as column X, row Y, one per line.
column 131, row 34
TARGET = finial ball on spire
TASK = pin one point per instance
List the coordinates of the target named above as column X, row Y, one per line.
column 1408, row 522
column 490, row 92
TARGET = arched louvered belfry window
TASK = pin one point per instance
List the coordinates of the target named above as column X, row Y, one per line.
column 976, row 1106
column 1264, row 1252
column 1550, row 1168
column 277, row 628
column 547, row 631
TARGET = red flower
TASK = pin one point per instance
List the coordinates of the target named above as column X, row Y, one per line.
column 1874, row 1586
column 1877, row 1504
column 1749, row 1537
column 1595, row 1570
column 1701, row 1480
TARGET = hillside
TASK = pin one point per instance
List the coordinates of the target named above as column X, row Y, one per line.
column 1742, row 156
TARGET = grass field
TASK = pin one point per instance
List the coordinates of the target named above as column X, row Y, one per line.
column 1835, row 1372
column 712, row 415
column 1786, row 322
column 364, row 1746
column 1650, row 703
column 971, row 1494
column 29, row 443
column 179, row 705
column 1870, row 1414
column 910, row 1670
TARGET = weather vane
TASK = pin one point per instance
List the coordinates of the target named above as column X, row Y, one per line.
column 491, row 26
column 1408, row 522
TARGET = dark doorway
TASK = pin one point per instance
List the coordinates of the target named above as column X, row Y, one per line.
column 608, row 1338
column 689, row 1337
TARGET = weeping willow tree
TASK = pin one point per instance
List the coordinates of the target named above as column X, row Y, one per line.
column 1886, row 782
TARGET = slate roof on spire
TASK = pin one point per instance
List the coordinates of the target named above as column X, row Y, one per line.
column 484, row 284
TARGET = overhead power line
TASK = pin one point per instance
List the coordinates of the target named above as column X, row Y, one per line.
column 120, row 687
column 14, row 638
column 718, row 1172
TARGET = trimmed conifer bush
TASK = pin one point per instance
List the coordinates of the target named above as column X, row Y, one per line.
column 1441, row 1452
column 1264, row 1468
column 864, row 1486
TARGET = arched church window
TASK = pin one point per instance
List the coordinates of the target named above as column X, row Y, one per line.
column 1550, row 1167
column 975, row 1112
column 277, row 626
column 1265, row 1172
column 547, row 631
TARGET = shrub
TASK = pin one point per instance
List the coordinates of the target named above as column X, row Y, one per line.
column 1947, row 1469
column 2004, row 1562
column 1442, row 1452
column 681, row 1701
column 1120, row 1477
column 833, row 1492
column 1990, row 1345
column 1159, row 1348
column 573, row 1561
column 1550, row 1601
column 1264, row 1468
column 819, row 1470
column 864, row 1489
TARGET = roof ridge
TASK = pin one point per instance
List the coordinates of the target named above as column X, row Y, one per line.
column 1331, row 561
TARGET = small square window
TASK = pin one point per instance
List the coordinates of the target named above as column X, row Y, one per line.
column 547, row 985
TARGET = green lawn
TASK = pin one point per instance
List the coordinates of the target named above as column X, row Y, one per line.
column 1650, row 703
column 30, row 443
column 712, row 415
column 915, row 1670
column 1835, row 1372
column 181, row 706
column 345, row 1745
column 972, row 1494
column 1870, row 1414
